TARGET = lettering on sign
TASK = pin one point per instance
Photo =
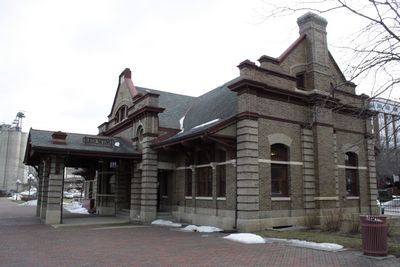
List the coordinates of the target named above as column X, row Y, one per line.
column 97, row 141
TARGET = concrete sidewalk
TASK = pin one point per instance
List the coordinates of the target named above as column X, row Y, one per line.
column 25, row 241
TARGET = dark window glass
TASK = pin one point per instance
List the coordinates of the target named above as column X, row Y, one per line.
column 188, row 183
column 351, row 173
column 204, row 177
column 300, row 83
column 279, row 171
column 221, row 174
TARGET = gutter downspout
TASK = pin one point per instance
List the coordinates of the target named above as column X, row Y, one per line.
column 236, row 197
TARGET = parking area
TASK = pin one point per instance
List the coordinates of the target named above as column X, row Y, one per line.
column 25, row 241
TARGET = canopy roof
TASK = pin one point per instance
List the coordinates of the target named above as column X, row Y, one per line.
column 77, row 147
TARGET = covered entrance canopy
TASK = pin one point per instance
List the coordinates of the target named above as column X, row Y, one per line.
column 50, row 152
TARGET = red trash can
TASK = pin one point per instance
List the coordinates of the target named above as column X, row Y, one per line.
column 374, row 235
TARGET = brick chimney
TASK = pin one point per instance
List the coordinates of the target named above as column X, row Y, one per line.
column 59, row 138
column 126, row 76
column 314, row 27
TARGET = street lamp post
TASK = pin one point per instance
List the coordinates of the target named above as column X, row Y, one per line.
column 18, row 182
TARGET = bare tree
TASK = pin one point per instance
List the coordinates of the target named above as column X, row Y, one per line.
column 375, row 50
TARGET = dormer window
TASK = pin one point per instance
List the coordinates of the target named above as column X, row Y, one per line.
column 300, row 83
column 121, row 114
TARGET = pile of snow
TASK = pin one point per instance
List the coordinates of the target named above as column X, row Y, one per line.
column 29, row 203
column 306, row 244
column 314, row 245
column 201, row 229
column 75, row 207
column 15, row 196
column 166, row 223
column 246, row 238
column 29, row 192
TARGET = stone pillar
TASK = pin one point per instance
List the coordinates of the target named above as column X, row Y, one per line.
column 307, row 141
column 39, row 189
column 136, row 180
column 148, row 210
column 56, row 179
column 336, row 172
column 194, row 189
column 45, row 188
column 214, row 187
column 247, row 174
column 372, row 188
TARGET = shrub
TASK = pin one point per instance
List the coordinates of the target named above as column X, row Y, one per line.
column 311, row 221
column 353, row 224
column 333, row 220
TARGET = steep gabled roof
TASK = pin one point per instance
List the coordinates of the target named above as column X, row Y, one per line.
column 126, row 75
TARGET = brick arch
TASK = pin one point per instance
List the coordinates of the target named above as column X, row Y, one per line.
column 280, row 138
column 351, row 148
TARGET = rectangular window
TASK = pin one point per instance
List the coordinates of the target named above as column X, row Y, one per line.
column 300, row 83
column 351, row 182
column 221, row 173
column 279, row 181
column 221, row 180
column 204, row 182
column 188, row 182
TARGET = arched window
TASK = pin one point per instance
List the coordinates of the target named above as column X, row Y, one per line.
column 279, row 170
column 139, row 137
column 351, row 173
column 121, row 114
column 139, row 134
column 204, row 177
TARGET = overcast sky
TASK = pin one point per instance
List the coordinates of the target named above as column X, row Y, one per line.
column 60, row 60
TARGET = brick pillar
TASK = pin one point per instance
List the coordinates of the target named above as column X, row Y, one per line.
column 324, row 158
column 136, row 180
column 148, row 210
column 39, row 189
column 307, row 141
column 56, row 178
column 247, row 174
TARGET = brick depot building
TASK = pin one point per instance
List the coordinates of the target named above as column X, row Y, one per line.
column 286, row 139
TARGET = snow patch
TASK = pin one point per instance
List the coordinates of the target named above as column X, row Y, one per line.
column 246, row 238
column 166, row 223
column 29, row 203
column 15, row 196
column 181, row 124
column 75, row 207
column 201, row 229
column 306, row 244
column 206, row 123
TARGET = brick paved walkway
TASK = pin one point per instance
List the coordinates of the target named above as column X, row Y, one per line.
column 24, row 241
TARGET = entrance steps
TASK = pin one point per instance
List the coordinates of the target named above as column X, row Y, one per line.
column 165, row 215
column 123, row 213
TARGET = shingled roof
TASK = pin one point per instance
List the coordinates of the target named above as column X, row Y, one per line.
column 40, row 141
column 175, row 106
column 206, row 111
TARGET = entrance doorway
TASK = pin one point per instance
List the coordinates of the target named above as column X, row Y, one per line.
column 164, row 195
